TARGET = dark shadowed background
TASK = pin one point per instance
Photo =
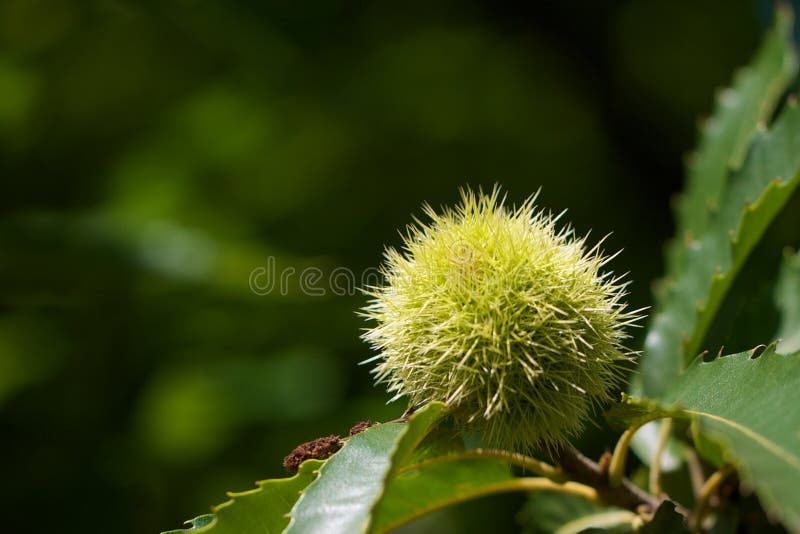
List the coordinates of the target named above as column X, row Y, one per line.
column 158, row 157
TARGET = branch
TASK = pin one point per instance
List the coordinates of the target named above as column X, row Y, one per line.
column 586, row 471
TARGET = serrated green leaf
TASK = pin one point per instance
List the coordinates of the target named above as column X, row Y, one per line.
column 430, row 486
column 725, row 213
column 755, row 195
column 557, row 513
column 749, row 406
column 725, row 137
column 352, row 481
column 263, row 510
column 787, row 296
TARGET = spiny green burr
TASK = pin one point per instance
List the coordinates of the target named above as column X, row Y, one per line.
column 504, row 317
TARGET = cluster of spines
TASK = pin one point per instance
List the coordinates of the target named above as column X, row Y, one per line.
column 502, row 316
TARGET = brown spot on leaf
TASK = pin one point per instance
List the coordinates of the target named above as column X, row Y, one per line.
column 360, row 427
column 318, row 449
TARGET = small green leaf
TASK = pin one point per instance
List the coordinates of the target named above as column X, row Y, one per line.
column 787, row 296
column 748, row 406
column 264, row 509
column 352, row 481
column 724, row 214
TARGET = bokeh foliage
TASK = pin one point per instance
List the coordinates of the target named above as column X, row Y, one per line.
column 153, row 154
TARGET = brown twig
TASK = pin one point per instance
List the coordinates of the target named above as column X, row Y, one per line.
column 626, row 495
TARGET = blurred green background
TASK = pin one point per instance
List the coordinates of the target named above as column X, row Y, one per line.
column 153, row 154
